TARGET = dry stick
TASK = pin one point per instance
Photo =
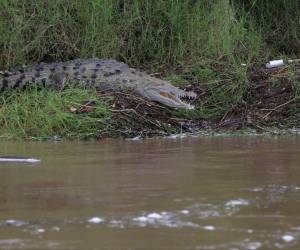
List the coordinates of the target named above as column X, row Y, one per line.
column 224, row 117
column 180, row 119
column 279, row 106
column 122, row 110
column 134, row 111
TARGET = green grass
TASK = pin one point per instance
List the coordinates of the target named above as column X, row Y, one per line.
column 142, row 33
column 193, row 41
column 42, row 113
column 279, row 22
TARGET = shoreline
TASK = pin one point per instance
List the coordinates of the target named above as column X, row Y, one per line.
column 269, row 103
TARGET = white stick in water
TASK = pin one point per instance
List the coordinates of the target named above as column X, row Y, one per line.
column 18, row 159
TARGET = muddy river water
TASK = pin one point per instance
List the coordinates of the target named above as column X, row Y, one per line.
column 193, row 193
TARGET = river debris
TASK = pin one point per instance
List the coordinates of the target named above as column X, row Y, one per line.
column 280, row 62
column 274, row 64
column 18, row 159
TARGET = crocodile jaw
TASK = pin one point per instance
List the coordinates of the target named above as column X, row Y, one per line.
column 168, row 95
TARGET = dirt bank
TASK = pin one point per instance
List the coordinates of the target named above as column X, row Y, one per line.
column 269, row 102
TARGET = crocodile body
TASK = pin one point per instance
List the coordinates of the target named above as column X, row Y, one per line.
column 103, row 74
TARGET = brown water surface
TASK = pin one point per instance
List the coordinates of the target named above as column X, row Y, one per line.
column 193, row 193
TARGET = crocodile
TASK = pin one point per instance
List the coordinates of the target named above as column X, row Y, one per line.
column 102, row 74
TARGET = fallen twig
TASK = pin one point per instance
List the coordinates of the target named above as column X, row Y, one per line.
column 279, row 106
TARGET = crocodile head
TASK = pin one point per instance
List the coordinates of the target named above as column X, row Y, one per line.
column 167, row 95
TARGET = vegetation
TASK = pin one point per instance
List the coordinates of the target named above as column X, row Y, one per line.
column 41, row 113
column 215, row 43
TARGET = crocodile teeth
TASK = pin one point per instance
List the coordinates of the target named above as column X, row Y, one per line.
column 191, row 95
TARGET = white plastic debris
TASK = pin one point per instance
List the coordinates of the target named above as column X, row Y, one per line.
column 274, row 64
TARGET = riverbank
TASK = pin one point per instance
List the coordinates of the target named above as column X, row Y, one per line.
column 217, row 49
column 268, row 101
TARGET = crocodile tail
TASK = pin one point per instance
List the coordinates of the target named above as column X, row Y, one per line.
column 53, row 75
column 10, row 80
column 22, row 77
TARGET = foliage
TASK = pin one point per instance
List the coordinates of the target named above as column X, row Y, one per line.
column 198, row 42
column 45, row 113
column 143, row 33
